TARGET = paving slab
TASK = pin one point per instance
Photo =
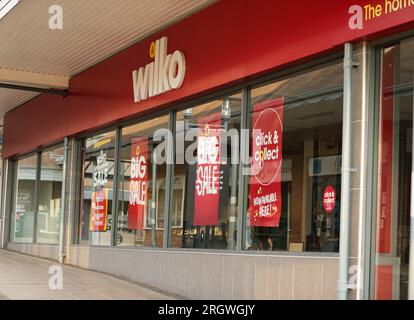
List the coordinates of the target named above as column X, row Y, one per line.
column 24, row 277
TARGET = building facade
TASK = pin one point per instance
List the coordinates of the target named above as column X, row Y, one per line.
column 254, row 150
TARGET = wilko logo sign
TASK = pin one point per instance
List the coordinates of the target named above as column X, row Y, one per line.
column 165, row 73
column 138, row 185
column 207, row 187
column 329, row 199
column 265, row 181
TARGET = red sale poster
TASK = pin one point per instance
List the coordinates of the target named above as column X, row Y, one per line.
column 265, row 177
column 207, row 186
column 138, row 184
column 329, row 199
column 384, row 273
column 99, row 211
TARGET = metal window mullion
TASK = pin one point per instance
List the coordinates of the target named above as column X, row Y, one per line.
column 2, row 201
column 13, row 199
column 8, row 197
column 63, row 202
column 169, row 179
column 77, row 157
column 244, row 165
column 3, row 219
column 115, row 187
column 153, row 201
column 375, row 112
column 411, row 239
column 36, row 195
column 372, row 162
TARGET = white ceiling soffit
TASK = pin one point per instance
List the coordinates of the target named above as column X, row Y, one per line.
column 12, row 98
column 33, row 54
column 15, row 96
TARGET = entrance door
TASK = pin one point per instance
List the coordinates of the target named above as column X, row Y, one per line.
column 392, row 221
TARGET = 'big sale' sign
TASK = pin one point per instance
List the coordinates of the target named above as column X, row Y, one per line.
column 207, row 186
column 138, row 185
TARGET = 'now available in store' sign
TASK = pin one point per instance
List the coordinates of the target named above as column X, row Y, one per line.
column 99, row 211
column 265, row 179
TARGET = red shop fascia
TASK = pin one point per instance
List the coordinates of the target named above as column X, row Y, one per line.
column 229, row 42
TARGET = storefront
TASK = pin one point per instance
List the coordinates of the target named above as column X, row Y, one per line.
column 232, row 155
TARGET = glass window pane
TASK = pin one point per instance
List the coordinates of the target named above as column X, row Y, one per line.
column 204, row 209
column 394, row 176
column 141, row 182
column 97, row 189
column 23, row 215
column 295, row 176
column 50, row 195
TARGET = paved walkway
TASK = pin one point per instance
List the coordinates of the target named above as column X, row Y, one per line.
column 25, row 277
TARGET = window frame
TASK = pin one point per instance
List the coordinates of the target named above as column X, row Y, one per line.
column 246, row 144
column 375, row 49
column 14, row 185
column 79, row 185
column 40, row 155
column 245, row 88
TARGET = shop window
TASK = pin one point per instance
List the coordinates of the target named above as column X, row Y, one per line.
column 205, row 185
column 178, row 202
column 294, row 184
column 50, row 195
column 23, row 215
column 392, row 227
column 98, row 155
column 142, row 182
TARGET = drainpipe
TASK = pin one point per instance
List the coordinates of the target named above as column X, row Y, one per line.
column 349, row 65
column 62, row 253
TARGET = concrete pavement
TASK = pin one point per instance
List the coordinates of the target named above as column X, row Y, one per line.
column 24, row 277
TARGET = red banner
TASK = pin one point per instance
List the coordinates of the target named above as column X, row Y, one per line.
column 265, row 177
column 99, row 211
column 138, row 184
column 207, row 187
column 384, row 216
column 383, row 273
column 329, row 199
